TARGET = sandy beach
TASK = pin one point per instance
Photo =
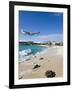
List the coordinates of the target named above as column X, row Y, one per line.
column 49, row 59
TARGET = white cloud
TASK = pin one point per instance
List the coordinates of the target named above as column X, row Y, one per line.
column 55, row 37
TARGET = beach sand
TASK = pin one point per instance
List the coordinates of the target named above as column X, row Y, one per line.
column 50, row 59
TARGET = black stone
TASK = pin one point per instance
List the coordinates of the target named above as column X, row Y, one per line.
column 36, row 66
column 41, row 58
column 50, row 74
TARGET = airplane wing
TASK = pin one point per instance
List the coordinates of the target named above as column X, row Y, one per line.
column 24, row 32
column 29, row 33
column 35, row 33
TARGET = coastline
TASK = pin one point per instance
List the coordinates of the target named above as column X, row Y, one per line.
column 49, row 59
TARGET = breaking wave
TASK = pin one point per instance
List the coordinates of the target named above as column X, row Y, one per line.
column 25, row 55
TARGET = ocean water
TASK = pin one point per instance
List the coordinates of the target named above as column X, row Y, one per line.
column 26, row 52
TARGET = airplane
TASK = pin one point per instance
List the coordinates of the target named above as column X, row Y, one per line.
column 29, row 33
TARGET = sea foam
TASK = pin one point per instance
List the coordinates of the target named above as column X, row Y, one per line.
column 25, row 55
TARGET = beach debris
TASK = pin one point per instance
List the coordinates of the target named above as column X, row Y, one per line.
column 27, row 59
column 41, row 58
column 36, row 66
column 35, row 56
column 20, row 76
column 50, row 74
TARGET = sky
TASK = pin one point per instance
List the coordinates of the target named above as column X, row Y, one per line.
column 49, row 24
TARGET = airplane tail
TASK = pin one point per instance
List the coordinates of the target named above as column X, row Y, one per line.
column 22, row 31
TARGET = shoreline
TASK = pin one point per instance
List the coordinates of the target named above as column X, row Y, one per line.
column 51, row 59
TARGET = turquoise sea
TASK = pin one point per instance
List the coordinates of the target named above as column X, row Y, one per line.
column 26, row 52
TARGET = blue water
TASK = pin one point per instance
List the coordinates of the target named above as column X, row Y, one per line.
column 34, row 48
column 27, row 51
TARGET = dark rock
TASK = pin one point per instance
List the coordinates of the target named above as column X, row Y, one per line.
column 27, row 59
column 35, row 56
column 36, row 66
column 20, row 77
column 41, row 58
column 50, row 74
